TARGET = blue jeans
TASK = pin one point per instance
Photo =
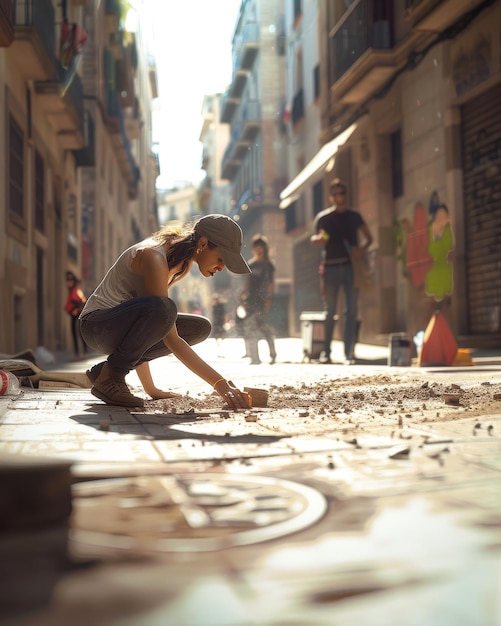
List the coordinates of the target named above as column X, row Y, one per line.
column 132, row 332
column 335, row 277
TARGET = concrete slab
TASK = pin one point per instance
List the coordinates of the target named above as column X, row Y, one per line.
column 399, row 496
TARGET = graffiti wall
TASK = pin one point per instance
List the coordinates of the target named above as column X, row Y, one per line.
column 424, row 247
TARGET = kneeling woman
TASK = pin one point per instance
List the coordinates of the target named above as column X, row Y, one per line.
column 131, row 318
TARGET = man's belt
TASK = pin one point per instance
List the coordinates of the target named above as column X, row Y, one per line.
column 336, row 261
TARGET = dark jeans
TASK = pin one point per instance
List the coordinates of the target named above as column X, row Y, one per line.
column 257, row 327
column 132, row 332
column 335, row 278
column 77, row 336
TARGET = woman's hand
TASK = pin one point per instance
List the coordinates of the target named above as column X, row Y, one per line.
column 144, row 374
column 235, row 398
column 159, row 394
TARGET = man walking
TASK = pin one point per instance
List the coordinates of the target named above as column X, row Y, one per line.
column 338, row 230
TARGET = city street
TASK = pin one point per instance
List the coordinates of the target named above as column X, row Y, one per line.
column 361, row 494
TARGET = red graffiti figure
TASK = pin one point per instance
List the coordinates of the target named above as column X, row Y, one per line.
column 418, row 259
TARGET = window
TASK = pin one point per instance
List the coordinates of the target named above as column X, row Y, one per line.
column 39, row 192
column 16, row 170
column 397, row 171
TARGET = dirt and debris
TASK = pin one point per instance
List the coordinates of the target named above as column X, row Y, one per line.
column 356, row 401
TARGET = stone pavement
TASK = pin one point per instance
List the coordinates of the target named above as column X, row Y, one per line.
column 187, row 514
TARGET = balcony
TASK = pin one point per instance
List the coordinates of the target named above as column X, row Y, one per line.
column 115, row 123
column 233, row 95
column 246, row 47
column 7, row 18
column 133, row 121
column 243, row 132
column 228, row 107
column 125, row 83
column 154, row 164
column 86, row 156
column 63, row 105
column 152, row 76
column 437, row 15
column 230, row 168
column 362, row 58
column 116, row 41
column 34, row 42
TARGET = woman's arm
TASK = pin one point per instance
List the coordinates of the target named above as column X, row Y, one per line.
column 144, row 373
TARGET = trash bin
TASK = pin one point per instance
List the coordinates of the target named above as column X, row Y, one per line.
column 312, row 333
column 400, row 350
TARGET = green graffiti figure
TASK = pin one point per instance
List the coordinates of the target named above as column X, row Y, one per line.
column 439, row 279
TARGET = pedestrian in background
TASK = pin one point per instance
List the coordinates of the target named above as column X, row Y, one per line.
column 338, row 229
column 75, row 302
column 131, row 318
column 218, row 321
column 258, row 298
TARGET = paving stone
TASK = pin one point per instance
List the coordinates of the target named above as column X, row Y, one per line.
column 412, row 522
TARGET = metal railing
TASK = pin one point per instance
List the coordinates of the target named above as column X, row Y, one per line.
column 249, row 111
column 38, row 14
column 114, row 110
column 356, row 32
column 249, row 34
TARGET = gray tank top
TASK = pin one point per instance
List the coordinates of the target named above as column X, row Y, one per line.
column 121, row 283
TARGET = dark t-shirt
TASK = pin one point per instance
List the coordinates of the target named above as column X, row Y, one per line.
column 218, row 319
column 259, row 281
column 218, row 314
column 342, row 228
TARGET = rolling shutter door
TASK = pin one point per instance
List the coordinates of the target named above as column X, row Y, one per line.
column 481, row 124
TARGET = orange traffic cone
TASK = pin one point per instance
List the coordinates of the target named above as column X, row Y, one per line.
column 439, row 346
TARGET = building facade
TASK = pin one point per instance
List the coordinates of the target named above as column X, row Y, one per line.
column 255, row 160
column 214, row 191
column 302, row 119
column 76, row 169
column 415, row 82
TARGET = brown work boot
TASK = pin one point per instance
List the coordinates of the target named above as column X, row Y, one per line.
column 94, row 371
column 110, row 387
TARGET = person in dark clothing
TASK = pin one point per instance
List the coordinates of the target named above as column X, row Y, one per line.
column 218, row 321
column 338, row 229
column 75, row 302
column 258, row 298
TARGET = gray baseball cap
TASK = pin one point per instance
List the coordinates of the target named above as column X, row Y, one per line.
column 226, row 234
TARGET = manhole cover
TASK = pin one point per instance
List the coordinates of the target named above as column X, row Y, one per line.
column 186, row 513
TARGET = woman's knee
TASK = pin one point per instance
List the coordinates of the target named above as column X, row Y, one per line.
column 157, row 318
column 163, row 309
column 193, row 328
